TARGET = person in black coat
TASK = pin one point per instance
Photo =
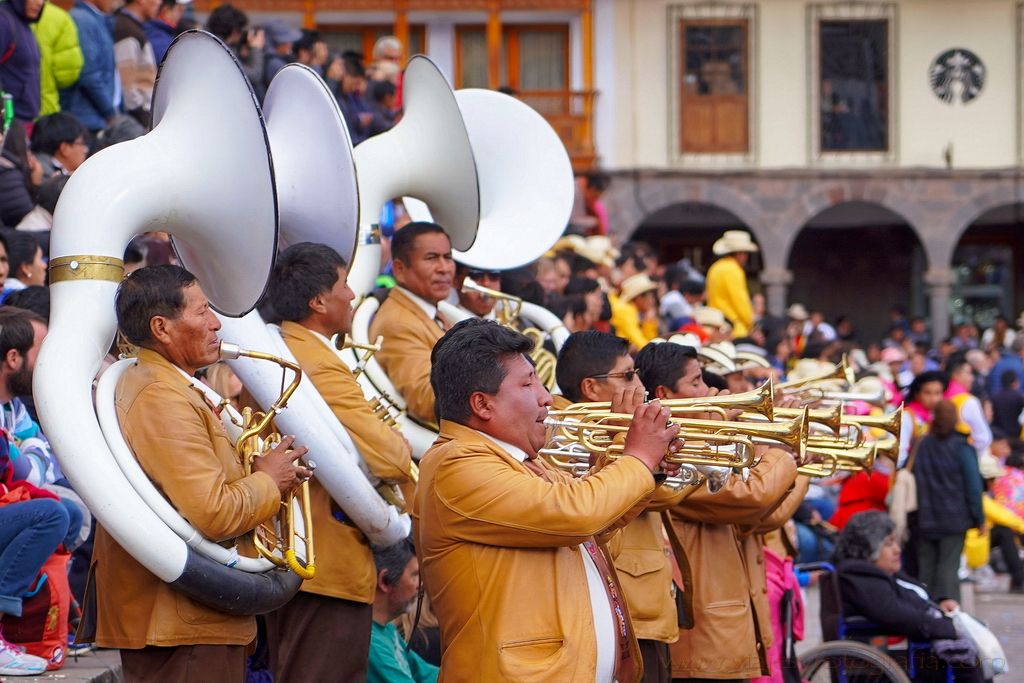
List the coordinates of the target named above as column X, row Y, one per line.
column 867, row 559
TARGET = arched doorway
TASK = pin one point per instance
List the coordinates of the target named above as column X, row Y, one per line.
column 858, row 259
column 987, row 263
column 687, row 230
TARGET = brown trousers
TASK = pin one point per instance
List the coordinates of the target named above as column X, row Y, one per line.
column 657, row 661
column 184, row 663
column 317, row 638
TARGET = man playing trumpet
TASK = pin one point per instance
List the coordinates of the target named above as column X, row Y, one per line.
column 716, row 531
column 509, row 545
column 596, row 366
column 183, row 447
column 309, row 292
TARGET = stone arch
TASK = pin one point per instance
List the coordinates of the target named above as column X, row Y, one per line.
column 791, row 222
column 944, row 243
column 634, row 197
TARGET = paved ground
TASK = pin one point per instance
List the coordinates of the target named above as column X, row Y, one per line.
column 102, row 666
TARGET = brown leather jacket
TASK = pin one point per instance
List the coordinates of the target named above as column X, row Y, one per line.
column 409, row 337
column 185, row 450
column 499, row 553
column 345, row 567
column 730, row 605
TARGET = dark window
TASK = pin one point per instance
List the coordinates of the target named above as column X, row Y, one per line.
column 713, row 95
column 854, row 86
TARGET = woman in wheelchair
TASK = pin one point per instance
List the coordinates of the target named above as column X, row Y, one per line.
column 872, row 588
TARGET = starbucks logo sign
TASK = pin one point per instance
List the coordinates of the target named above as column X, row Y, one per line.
column 957, row 75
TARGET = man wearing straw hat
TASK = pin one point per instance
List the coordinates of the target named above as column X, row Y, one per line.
column 727, row 281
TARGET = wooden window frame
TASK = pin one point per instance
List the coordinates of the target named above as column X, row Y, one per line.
column 725, row 14
column 369, row 34
column 510, row 41
column 851, row 11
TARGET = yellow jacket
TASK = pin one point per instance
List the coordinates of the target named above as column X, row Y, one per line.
column 500, row 559
column 185, row 450
column 409, row 337
column 726, row 288
column 345, row 567
column 626, row 322
column 732, row 626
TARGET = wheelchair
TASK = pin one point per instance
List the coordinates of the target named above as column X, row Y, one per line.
column 857, row 651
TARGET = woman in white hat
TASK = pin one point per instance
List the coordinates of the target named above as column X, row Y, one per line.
column 727, row 281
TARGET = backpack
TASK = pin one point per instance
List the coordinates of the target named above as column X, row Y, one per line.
column 42, row 627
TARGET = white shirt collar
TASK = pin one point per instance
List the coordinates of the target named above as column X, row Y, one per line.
column 515, row 451
column 321, row 337
column 427, row 307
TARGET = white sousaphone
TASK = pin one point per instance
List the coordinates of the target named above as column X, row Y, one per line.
column 318, row 198
column 525, row 197
column 197, row 192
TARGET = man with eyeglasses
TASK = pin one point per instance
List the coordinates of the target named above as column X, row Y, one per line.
column 596, row 366
column 722, row 536
column 480, row 305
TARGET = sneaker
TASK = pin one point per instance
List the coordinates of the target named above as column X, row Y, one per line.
column 13, row 662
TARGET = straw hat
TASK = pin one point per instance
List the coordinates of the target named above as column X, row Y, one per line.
column 635, row 285
column 990, row 466
column 733, row 241
column 706, row 316
column 748, row 360
column 808, row 367
column 598, row 249
column 687, row 339
column 716, row 361
column 566, row 243
column 797, row 312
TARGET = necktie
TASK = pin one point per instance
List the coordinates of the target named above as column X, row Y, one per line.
column 440, row 320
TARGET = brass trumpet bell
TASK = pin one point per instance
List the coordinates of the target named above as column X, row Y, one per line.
column 891, row 423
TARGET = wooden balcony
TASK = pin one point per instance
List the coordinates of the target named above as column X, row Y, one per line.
column 571, row 114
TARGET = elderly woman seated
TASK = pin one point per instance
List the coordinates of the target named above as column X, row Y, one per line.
column 867, row 559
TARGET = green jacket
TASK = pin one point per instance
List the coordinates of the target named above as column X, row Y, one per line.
column 60, row 57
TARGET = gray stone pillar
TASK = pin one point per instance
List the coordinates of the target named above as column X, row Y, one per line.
column 940, row 288
column 776, row 283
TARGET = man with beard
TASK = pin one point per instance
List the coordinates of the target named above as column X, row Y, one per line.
column 21, row 334
column 409, row 320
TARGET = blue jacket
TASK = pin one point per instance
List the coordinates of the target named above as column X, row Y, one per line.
column 19, row 72
column 1007, row 361
column 161, row 35
column 91, row 99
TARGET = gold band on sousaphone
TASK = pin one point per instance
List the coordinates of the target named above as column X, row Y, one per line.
column 275, row 540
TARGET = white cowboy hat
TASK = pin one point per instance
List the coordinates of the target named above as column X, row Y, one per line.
column 706, row 316
column 635, row 285
column 733, row 241
column 716, row 361
column 797, row 312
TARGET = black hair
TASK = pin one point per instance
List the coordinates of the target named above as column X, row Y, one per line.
column 405, row 238
column 598, row 181
column 1007, row 378
column 133, row 254
column 16, row 329
column 21, row 250
column 926, row 378
column 522, row 282
column 691, row 287
column 955, row 362
column 582, row 285
column 149, row 292
column 49, row 191
column 52, row 130
column 226, row 19
column 863, row 535
column 583, row 355
column 354, row 65
column 714, row 380
column 307, row 41
column 35, row 298
column 302, row 271
column 663, row 364
column 470, row 358
column 571, row 303
column 393, row 560
column 581, row 264
column 378, row 90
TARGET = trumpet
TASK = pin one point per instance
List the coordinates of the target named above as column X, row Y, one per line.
column 891, row 423
column 705, row 442
column 756, row 401
column 367, row 349
column 841, row 372
column 829, row 418
column 276, row 539
column 832, row 460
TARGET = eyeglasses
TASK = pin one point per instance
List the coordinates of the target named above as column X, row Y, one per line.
column 628, row 375
column 481, row 274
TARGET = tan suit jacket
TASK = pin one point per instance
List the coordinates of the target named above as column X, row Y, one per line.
column 183, row 447
column 730, row 604
column 345, row 567
column 499, row 551
column 409, row 337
